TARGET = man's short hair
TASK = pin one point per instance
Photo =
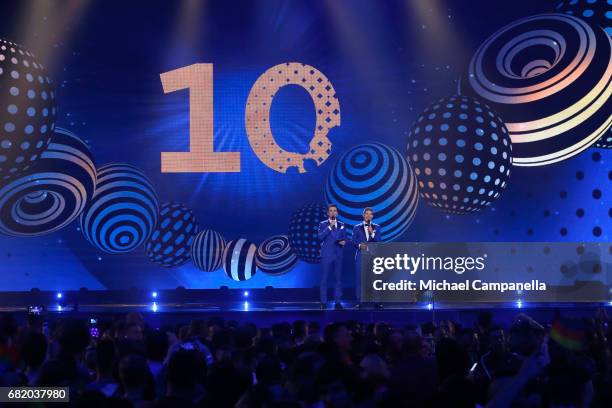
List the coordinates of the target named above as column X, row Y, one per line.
column 331, row 205
column 368, row 209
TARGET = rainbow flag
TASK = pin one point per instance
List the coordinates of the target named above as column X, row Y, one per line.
column 569, row 333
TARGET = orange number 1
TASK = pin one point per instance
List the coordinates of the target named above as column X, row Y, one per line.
column 201, row 157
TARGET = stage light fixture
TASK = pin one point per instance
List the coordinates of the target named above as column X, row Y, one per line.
column 59, row 295
column 154, row 307
column 429, row 306
column 519, row 304
column 245, row 294
column 154, row 295
column 246, row 306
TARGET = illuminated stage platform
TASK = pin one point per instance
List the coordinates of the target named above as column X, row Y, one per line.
column 269, row 306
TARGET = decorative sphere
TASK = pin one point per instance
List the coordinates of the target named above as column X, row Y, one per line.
column 275, row 256
column 51, row 194
column 27, row 110
column 598, row 13
column 595, row 12
column 123, row 212
column 549, row 77
column 207, row 250
column 303, row 232
column 239, row 259
column 461, row 154
column 377, row 176
column 605, row 142
column 170, row 243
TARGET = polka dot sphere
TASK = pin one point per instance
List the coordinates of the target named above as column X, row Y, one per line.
column 27, row 109
column 461, row 154
column 239, row 259
column 596, row 12
column 303, row 232
column 53, row 193
column 123, row 212
column 170, row 243
column 550, row 77
column 275, row 256
column 207, row 250
column 377, row 176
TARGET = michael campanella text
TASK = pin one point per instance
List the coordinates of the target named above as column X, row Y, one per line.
column 444, row 285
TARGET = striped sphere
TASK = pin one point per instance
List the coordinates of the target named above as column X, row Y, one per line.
column 599, row 13
column 275, row 256
column 27, row 109
column 377, row 176
column 123, row 212
column 303, row 232
column 52, row 193
column 550, row 77
column 207, row 250
column 170, row 243
column 239, row 259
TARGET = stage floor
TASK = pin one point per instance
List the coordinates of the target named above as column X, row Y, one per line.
column 282, row 307
column 159, row 314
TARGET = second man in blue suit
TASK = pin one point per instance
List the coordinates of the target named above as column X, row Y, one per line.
column 363, row 233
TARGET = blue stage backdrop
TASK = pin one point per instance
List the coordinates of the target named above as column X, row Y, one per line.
column 455, row 122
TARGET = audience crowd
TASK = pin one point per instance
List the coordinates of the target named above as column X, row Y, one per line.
column 222, row 363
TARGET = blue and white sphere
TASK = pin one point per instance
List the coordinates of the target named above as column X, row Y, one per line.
column 596, row 12
column 170, row 243
column 461, row 153
column 51, row 194
column 275, row 256
column 207, row 250
column 239, row 259
column 605, row 142
column 303, row 232
column 377, row 176
column 27, row 109
column 550, row 77
column 123, row 212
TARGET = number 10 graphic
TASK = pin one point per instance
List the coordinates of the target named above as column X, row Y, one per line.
column 201, row 157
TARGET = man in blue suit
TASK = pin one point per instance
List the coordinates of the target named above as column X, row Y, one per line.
column 332, row 234
column 363, row 233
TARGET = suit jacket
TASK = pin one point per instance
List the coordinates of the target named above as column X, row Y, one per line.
column 359, row 236
column 330, row 248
